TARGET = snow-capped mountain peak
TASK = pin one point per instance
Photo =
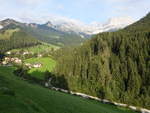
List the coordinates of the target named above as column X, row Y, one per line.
column 78, row 27
column 7, row 22
column 1, row 26
column 93, row 28
column 49, row 24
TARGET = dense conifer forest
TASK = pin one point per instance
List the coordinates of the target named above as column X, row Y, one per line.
column 15, row 38
column 114, row 66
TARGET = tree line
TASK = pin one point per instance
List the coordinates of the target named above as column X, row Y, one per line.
column 17, row 40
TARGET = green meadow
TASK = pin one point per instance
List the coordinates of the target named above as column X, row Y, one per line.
column 48, row 64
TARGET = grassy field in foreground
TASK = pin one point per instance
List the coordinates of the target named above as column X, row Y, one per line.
column 47, row 65
column 18, row 96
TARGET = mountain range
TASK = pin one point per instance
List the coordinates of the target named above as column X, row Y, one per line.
column 63, row 33
column 89, row 29
column 43, row 32
column 112, row 24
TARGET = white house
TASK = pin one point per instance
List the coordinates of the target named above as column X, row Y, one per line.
column 39, row 55
column 8, row 53
column 25, row 53
column 37, row 65
column 18, row 61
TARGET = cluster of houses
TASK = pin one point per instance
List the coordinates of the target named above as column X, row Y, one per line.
column 9, row 60
column 36, row 65
column 18, row 52
column 23, row 53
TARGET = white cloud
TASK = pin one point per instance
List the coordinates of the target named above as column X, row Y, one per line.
column 122, row 0
column 120, row 21
column 31, row 2
column 38, row 10
column 31, row 17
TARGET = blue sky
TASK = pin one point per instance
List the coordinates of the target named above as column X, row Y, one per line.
column 86, row 11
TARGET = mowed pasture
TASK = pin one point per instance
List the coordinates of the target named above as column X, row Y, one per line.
column 47, row 64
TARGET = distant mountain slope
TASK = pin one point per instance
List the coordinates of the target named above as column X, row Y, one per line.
column 44, row 32
column 15, row 38
column 53, row 36
column 65, row 32
column 115, row 66
column 142, row 25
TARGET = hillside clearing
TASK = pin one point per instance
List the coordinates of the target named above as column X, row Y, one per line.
column 43, row 48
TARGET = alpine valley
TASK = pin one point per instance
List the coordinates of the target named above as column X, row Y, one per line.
column 66, row 67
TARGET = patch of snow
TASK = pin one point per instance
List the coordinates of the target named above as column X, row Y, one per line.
column 1, row 26
column 82, row 36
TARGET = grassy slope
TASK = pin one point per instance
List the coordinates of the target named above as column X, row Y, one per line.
column 31, row 98
column 44, row 47
column 47, row 65
column 38, row 49
column 8, row 33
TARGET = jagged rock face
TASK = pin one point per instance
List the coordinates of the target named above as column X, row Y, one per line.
column 49, row 24
column 7, row 22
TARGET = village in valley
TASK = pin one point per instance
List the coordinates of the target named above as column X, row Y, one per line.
column 9, row 60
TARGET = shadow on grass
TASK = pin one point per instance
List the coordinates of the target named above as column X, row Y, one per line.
column 54, row 80
column 38, row 74
column 60, row 82
column 48, row 77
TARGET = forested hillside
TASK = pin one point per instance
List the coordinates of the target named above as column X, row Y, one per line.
column 52, row 36
column 114, row 66
column 15, row 38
